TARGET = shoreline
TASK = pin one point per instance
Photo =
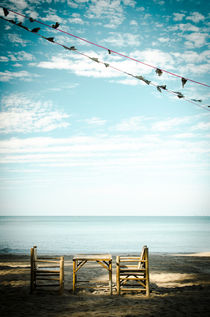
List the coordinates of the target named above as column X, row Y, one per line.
column 194, row 254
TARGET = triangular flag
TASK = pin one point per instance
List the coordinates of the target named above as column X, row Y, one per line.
column 50, row 39
column 158, row 71
column 197, row 100
column 183, row 81
column 143, row 79
column 6, row 12
column 95, row 59
column 179, row 94
column 35, row 30
column 56, row 25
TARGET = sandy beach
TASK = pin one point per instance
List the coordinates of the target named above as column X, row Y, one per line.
column 180, row 286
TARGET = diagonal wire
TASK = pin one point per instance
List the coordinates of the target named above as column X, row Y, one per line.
column 51, row 39
column 111, row 51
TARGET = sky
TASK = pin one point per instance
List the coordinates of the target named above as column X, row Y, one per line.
column 81, row 138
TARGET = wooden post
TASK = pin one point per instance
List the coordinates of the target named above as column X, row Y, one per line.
column 147, row 271
column 32, row 271
column 74, row 275
column 61, row 275
column 110, row 276
column 118, row 274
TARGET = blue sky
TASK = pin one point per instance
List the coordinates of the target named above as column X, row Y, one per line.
column 78, row 138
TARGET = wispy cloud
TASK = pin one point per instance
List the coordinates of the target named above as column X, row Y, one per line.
column 16, row 39
column 178, row 16
column 195, row 40
column 23, row 115
column 131, row 124
column 21, row 75
column 196, row 17
column 122, row 40
column 111, row 11
column 95, row 121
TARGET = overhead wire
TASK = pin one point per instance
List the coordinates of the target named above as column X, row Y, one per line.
column 183, row 78
column 72, row 48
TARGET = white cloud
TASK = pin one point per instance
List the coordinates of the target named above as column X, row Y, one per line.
column 195, row 17
column 155, row 57
column 21, row 75
column 76, row 18
column 122, row 40
column 16, row 39
column 195, row 40
column 178, row 16
column 127, row 81
column 131, row 124
column 21, row 56
column 195, row 69
column 186, row 27
column 110, row 10
column 170, row 124
column 133, row 22
column 80, row 66
column 146, row 151
column 4, row 59
column 130, row 3
column 203, row 126
column 193, row 57
column 23, row 115
column 95, row 121
column 20, row 4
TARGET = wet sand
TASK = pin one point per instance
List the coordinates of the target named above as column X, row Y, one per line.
column 180, row 286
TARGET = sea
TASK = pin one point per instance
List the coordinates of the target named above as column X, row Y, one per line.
column 116, row 235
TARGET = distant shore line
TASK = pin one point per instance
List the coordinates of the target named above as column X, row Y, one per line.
column 188, row 254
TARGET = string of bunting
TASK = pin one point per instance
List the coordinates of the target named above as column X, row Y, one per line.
column 160, row 88
column 158, row 71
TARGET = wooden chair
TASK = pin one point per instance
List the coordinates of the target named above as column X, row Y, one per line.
column 45, row 270
column 133, row 273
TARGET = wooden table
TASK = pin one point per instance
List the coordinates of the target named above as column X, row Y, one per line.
column 105, row 260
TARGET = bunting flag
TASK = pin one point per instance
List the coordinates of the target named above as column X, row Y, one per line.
column 159, row 71
column 95, row 59
column 55, row 26
column 35, row 30
column 6, row 12
column 183, row 81
column 143, row 79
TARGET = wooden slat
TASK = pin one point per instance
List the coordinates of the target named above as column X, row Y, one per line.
column 47, row 271
column 133, row 278
column 56, row 258
column 93, row 257
column 130, row 257
column 132, row 289
column 48, row 279
column 47, row 261
column 47, row 285
column 48, row 267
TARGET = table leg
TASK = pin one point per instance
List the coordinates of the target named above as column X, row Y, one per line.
column 74, row 275
column 110, row 277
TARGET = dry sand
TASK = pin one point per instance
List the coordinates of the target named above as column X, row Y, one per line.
column 180, row 286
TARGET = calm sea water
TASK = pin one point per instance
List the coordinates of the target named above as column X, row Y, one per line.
column 70, row 235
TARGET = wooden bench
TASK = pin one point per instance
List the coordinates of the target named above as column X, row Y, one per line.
column 46, row 272
column 132, row 273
